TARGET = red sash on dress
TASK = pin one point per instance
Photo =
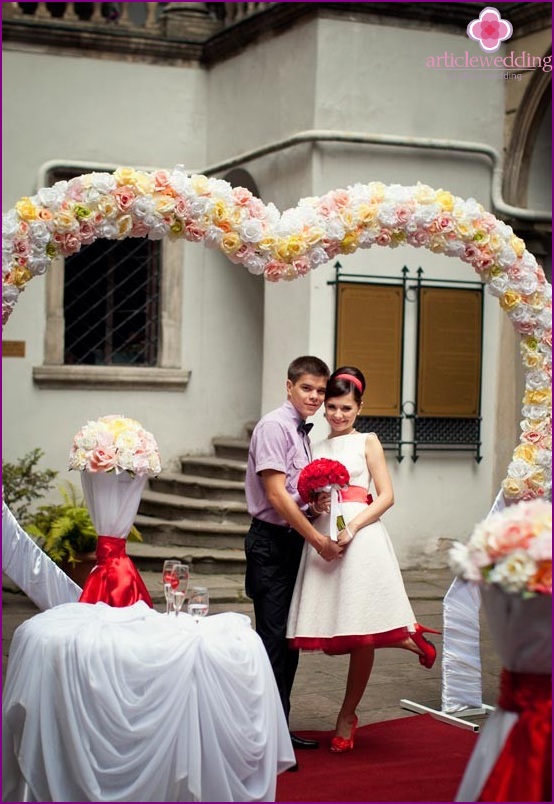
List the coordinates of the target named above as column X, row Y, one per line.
column 114, row 580
column 523, row 770
column 355, row 494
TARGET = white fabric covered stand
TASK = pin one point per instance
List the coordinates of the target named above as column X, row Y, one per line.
column 112, row 501
column 522, row 634
column 108, row 704
column 31, row 569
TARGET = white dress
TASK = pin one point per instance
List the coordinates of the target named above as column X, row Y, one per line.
column 360, row 598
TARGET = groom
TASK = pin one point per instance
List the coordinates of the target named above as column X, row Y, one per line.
column 279, row 449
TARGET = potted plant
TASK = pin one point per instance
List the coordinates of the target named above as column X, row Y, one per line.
column 65, row 532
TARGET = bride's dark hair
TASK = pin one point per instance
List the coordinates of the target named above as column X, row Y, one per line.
column 339, row 383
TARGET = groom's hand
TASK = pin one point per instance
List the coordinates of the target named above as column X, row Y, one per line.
column 331, row 550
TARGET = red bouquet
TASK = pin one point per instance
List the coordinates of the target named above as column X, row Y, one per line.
column 321, row 475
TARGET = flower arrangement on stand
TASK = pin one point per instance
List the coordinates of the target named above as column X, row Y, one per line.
column 510, row 556
column 324, row 474
column 511, row 548
column 115, row 456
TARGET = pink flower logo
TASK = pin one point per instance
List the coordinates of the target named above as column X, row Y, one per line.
column 489, row 30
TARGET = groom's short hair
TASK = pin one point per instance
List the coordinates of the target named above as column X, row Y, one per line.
column 307, row 364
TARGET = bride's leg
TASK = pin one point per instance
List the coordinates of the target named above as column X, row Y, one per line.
column 359, row 670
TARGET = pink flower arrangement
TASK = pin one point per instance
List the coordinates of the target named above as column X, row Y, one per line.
column 59, row 220
column 115, row 444
column 511, row 548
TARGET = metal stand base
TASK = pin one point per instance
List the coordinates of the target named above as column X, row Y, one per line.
column 454, row 720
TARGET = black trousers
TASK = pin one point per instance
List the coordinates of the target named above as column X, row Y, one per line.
column 272, row 560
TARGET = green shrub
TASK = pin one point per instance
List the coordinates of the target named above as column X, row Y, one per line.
column 23, row 484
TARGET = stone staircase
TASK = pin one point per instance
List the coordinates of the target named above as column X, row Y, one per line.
column 198, row 515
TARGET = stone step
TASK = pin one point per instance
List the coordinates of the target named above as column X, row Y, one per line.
column 228, row 588
column 175, row 507
column 184, row 533
column 233, row 448
column 201, row 560
column 198, row 487
column 213, row 467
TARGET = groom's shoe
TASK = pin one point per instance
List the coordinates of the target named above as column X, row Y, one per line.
column 301, row 742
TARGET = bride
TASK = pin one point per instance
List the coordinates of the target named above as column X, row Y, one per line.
column 358, row 603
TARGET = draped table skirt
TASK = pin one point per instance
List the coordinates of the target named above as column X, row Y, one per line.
column 127, row 704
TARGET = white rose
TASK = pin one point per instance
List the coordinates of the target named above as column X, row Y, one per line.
column 108, row 229
column 10, row 224
column 519, row 470
column 142, row 207
column 252, row 230
column 461, row 564
column 514, row 572
column 255, row 264
column 103, row 182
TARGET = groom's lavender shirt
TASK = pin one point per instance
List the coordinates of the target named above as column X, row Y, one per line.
column 276, row 444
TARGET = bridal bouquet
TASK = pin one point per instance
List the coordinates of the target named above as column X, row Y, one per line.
column 324, row 474
column 511, row 548
column 115, row 444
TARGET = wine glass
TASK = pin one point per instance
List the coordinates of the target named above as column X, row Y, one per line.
column 169, row 581
column 199, row 602
column 179, row 582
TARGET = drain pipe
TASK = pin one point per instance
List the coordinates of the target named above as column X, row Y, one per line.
column 315, row 136
column 460, row 146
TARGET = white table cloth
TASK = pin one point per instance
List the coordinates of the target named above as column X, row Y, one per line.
column 107, row 704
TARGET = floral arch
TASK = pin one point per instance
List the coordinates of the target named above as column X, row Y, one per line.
column 58, row 220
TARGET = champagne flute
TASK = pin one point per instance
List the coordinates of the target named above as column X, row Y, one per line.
column 168, row 581
column 199, row 602
column 180, row 578
column 178, row 598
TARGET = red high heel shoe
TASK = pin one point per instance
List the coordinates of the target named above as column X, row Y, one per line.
column 340, row 744
column 429, row 650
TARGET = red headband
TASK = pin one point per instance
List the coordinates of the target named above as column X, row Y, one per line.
column 354, row 380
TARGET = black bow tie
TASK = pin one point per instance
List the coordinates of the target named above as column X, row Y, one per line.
column 304, row 428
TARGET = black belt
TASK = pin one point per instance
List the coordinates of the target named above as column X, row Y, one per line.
column 272, row 530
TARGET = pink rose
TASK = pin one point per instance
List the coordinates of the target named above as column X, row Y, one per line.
column 102, row 459
column 161, row 180
column 511, row 538
column 124, row 197
column 181, row 207
column 242, row 196
column 69, row 243
column 257, row 209
column 21, row 248
column 87, row 233
column 194, row 232
column 383, row 238
column 326, row 208
column 275, row 270
column 418, row 238
column 140, row 229
column 403, row 214
column 340, row 198
column 242, row 253
column 302, row 265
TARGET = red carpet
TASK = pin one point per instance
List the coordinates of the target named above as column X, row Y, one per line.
column 414, row 758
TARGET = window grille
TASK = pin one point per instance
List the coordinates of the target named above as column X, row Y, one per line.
column 111, row 303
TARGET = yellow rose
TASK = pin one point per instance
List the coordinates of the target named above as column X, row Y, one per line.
column 220, row 212
column 526, row 452
column 511, row 488
column 537, row 397
column 312, row 236
column 495, row 241
column 536, row 480
column 510, row 300
column 268, row 243
column 281, row 250
column 496, row 270
column 64, row 221
column 20, row 276
column 51, row 251
column 26, row 209
column 125, row 175
column 164, row 204
column 446, row 200
column 124, row 225
column 200, row 184
column 532, row 359
column 230, row 242
column 176, row 227
column 349, row 243
column 295, row 246
column 107, row 207
column 367, row 212
column 480, row 237
column 517, row 244
column 143, row 183
column 464, row 229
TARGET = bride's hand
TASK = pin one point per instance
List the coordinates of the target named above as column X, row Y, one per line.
column 322, row 503
column 345, row 536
